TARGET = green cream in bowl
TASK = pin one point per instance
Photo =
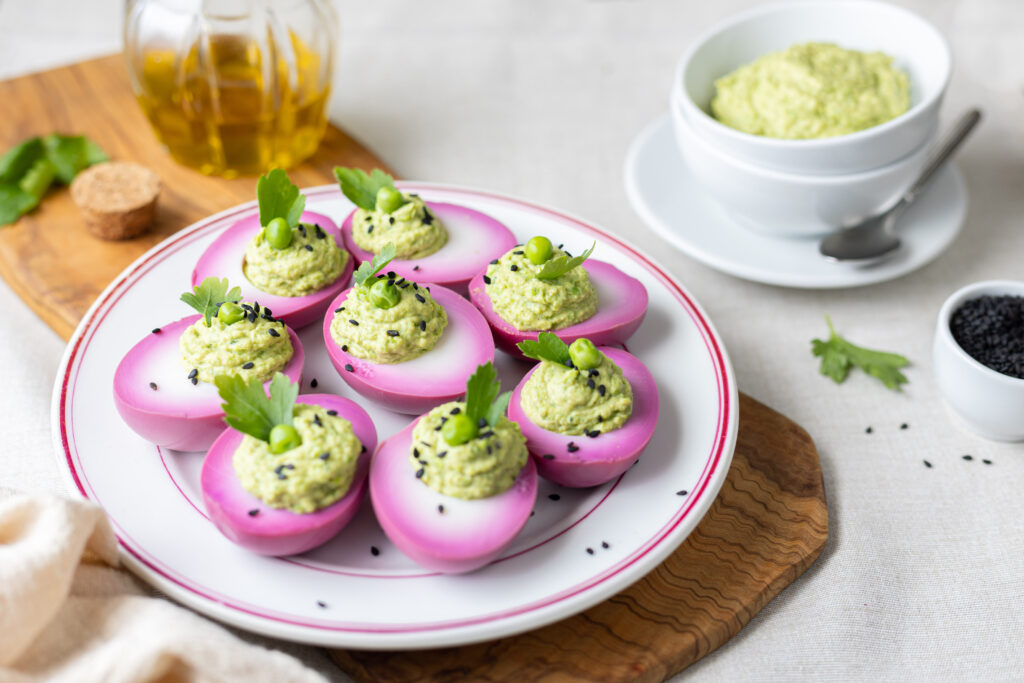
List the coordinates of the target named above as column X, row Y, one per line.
column 815, row 88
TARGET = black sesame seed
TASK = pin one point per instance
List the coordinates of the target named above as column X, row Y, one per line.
column 904, row 426
column 423, row 326
column 600, row 418
column 455, row 411
column 601, row 389
column 494, row 262
column 513, row 267
column 374, row 550
column 548, row 456
column 482, row 422
column 344, row 347
column 593, row 434
column 312, row 384
column 419, row 472
column 427, row 218
column 592, row 372
column 440, row 509
column 266, row 312
column 195, row 381
column 369, row 228
column 332, row 412
column 302, row 229
column 321, row 604
column 518, row 252
column 604, row 544
column 442, row 454
column 252, row 317
column 354, row 322
column 572, row 447
column 569, row 364
column 324, row 456
column 156, row 330
column 368, row 219
column 554, row 496
column 682, row 492
column 320, row 233
column 591, row 384
column 254, row 512
column 193, row 373
column 362, row 448
column 348, row 367
column 282, row 476
column 416, row 453
column 392, row 333
column 391, row 283
column 487, row 280
column 590, row 551
column 415, row 268
column 419, row 297
column 868, row 430
column 391, row 220
column 339, row 309
column 316, row 420
column 926, row 463
column 273, row 332
column 533, row 512
column 986, row 461
column 152, row 385
column 248, row 366
column 289, row 466
column 968, row 457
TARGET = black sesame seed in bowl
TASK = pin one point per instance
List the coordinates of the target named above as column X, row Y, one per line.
column 978, row 357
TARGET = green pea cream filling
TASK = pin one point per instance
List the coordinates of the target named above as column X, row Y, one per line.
column 311, row 262
column 482, row 467
column 408, row 329
column 306, row 478
column 571, row 401
column 814, row 90
column 412, row 228
column 527, row 303
column 252, row 347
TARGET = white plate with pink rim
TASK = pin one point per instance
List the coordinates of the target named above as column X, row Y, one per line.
column 581, row 546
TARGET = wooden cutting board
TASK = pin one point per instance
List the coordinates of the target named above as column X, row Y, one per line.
column 768, row 524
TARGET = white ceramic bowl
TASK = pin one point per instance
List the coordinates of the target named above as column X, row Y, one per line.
column 989, row 402
column 916, row 46
column 788, row 204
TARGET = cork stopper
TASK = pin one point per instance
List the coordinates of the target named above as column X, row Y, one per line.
column 117, row 199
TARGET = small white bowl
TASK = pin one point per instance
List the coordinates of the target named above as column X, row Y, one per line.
column 788, row 204
column 989, row 402
column 915, row 45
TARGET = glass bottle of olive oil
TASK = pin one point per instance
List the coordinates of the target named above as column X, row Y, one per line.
column 233, row 87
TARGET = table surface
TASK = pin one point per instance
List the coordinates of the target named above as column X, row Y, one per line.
column 923, row 572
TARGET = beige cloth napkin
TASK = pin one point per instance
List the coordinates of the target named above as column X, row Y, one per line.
column 67, row 613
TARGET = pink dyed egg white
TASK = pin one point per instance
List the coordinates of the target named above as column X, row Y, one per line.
column 223, row 258
column 176, row 414
column 621, row 305
column 474, row 240
column 272, row 531
column 596, row 460
column 437, row 376
column 440, row 532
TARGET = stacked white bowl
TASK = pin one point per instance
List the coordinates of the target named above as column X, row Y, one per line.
column 794, row 188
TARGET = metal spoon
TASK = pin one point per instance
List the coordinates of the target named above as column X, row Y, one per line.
column 873, row 237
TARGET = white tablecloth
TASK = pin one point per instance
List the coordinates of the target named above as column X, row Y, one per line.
column 923, row 575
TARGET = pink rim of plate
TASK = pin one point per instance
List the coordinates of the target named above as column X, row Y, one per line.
column 720, row 448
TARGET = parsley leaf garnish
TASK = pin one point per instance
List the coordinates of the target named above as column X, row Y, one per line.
column 547, row 347
column 360, row 188
column 482, row 399
column 29, row 169
column 560, row 265
column 209, row 295
column 367, row 269
column 248, row 409
column 838, row 357
column 278, row 197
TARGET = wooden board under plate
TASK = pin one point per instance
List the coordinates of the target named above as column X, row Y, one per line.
column 768, row 524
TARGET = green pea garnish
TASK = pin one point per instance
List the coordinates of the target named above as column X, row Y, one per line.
column 458, row 430
column 278, row 233
column 283, row 438
column 389, row 199
column 230, row 313
column 584, row 354
column 384, row 294
column 538, row 250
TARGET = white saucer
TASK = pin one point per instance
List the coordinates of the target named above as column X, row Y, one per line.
column 663, row 192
